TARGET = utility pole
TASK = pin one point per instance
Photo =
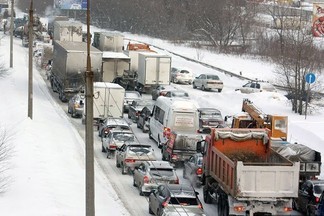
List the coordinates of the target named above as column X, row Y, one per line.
column 90, row 197
column 11, row 32
column 30, row 66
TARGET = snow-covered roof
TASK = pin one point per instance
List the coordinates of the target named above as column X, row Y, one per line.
column 114, row 55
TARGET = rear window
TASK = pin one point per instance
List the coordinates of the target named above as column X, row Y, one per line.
column 124, row 136
column 211, row 115
column 185, row 72
column 183, row 201
column 161, row 172
column 318, row 189
column 140, row 149
column 213, row 77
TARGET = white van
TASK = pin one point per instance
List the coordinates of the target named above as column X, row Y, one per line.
column 173, row 114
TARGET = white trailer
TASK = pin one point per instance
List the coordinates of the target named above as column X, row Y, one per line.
column 113, row 65
column 153, row 69
column 67, row 31
column 111, row 42
column 108, row 101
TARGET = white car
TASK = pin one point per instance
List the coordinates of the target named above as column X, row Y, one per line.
column 255, row 86
column 181, row 76
column 208, row 82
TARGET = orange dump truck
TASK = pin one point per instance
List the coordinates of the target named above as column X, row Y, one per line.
column 243, row 175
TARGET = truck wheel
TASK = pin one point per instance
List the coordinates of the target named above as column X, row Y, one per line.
column 134, row 183
column 220, row 90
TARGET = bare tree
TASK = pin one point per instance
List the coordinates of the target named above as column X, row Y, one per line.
column 299, row 57
column 3, row 69
column 6, row 151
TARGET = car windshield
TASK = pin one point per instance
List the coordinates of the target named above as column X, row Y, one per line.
column 124, row 136
column 162, row 171
column 213, row 77
column 318, row 189
column 183, row 201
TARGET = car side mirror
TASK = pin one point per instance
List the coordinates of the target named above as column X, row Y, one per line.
column 200, row 146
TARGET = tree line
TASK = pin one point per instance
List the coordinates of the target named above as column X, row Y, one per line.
column 277, row 34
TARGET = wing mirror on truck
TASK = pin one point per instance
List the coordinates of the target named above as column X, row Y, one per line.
column 200, row 146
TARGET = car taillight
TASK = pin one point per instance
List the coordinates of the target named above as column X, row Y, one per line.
column 200, row 206
column 129, row 160
column 288, row 209
column 166, row 202
column 137, row 113
column 199, row 171
column 112, row 146
column 146, row 179
column 317, row 199
column 166, row 132
column 239, row 208
column 174, row 156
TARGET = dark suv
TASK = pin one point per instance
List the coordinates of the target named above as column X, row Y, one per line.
column 308, row 196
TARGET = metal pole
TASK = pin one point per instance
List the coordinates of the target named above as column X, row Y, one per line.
column 11, row 32
column 90, row 202
column 30, row 68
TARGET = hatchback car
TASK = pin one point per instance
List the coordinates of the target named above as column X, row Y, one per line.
column 76, row 105
column 144, row 118
column 150, row 174
column 130, row 96
column 131, row 155
column 208, row 82
column 209, row 117
column 177, row 93
column 161, row 90
column 168, row 198
column 115, row 138
column 181, row 76
column 256, row 86
column 309, row 196
column 192, row 169
column 136, row 107
column 109, row 123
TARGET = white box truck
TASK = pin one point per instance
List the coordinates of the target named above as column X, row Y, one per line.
column 113, row 65
column 153, row 69
column 67, row 31
column 108, row 101
column 111, row 42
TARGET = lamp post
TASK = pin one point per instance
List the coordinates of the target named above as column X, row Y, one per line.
column 11, row 32
column 90, row 197
column 30, row 65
